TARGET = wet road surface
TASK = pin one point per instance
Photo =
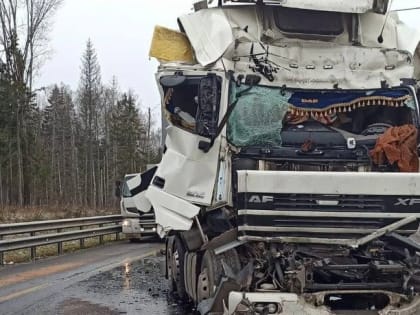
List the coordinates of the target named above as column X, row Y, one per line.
column 121, row 278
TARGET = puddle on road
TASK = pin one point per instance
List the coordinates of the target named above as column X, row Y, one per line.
column 80, row 307
column 134, row 288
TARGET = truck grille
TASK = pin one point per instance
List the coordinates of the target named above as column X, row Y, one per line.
column 320, row 217
column 308, row 202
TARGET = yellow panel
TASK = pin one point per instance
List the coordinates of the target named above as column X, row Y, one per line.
column 170, row 45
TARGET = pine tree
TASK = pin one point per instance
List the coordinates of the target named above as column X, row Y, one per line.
column 60, row 150
column 126, row 132
column 89, row 94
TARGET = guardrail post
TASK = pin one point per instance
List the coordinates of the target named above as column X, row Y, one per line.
column 33, row 249
column 82, row 240
column 60, row 244
column 101, row 237
column 1, row 255
column 117, row 235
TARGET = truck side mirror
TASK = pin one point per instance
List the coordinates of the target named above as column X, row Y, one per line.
column 208, row 106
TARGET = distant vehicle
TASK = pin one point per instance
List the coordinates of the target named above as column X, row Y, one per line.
column 136, row 224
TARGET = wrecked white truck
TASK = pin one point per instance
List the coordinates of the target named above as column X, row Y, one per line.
column 290, row 177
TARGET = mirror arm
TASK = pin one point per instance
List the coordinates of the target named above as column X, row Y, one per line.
column 206, row 146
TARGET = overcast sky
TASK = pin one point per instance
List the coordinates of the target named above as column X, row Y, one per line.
column 121, row 32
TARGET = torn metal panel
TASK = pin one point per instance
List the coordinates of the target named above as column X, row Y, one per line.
column 310, row 63
column 189, row 173
column 382, row 231
column 172, row 213
column 209, row 32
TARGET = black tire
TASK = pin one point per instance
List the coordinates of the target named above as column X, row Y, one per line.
column 214, row 270
column 169, row 248
column 177, row 268
column 214, row 267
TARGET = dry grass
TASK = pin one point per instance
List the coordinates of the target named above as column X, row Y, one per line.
column 24, row 255
column 28, row 214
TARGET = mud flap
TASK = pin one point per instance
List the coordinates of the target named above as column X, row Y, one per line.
column 171, row 213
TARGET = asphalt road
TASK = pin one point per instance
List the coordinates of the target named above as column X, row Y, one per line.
column 120, row 278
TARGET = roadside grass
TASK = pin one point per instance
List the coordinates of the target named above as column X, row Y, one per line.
column 24, row 255
column 12, row 214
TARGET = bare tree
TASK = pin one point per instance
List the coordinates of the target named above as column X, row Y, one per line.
column 24, row 35
column 23, row 41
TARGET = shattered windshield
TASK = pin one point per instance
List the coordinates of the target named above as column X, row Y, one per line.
column 263, row 112
column 258, row 115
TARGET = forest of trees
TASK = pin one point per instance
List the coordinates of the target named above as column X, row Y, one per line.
column 71, row 150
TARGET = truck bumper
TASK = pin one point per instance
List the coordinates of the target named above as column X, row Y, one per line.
column 292, row 304
column 274, row 303
column 134, row 228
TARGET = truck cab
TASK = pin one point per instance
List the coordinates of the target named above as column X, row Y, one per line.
column 136, row 223
column 290, row 177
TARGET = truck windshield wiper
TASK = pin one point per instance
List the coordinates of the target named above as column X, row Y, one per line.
column 206, row 146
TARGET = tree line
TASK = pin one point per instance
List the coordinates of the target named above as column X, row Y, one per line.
column 71, row 150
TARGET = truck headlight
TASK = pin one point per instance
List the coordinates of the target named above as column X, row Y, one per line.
column 268, row 308
column 126, row 223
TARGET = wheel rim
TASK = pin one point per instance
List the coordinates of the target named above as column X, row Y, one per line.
column 203, row 286
column 175, row 268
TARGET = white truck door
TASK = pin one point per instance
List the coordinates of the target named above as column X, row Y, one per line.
column 185, row 170
column 187, row 175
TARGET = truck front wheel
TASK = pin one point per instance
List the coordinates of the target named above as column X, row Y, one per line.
column 175, row 260
column 212, row 272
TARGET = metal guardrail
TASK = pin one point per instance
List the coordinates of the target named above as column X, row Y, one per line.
column 53, row 233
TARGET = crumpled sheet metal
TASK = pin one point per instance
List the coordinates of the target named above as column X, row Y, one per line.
column 182, row 157
column 210, row 34
column 398, row 145
column 169, row 45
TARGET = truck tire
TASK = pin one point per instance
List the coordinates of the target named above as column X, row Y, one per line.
column 212, row 272
column 176, row 260
column 210, row 276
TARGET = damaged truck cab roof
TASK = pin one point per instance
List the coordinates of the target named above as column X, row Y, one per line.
column 345, row 6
